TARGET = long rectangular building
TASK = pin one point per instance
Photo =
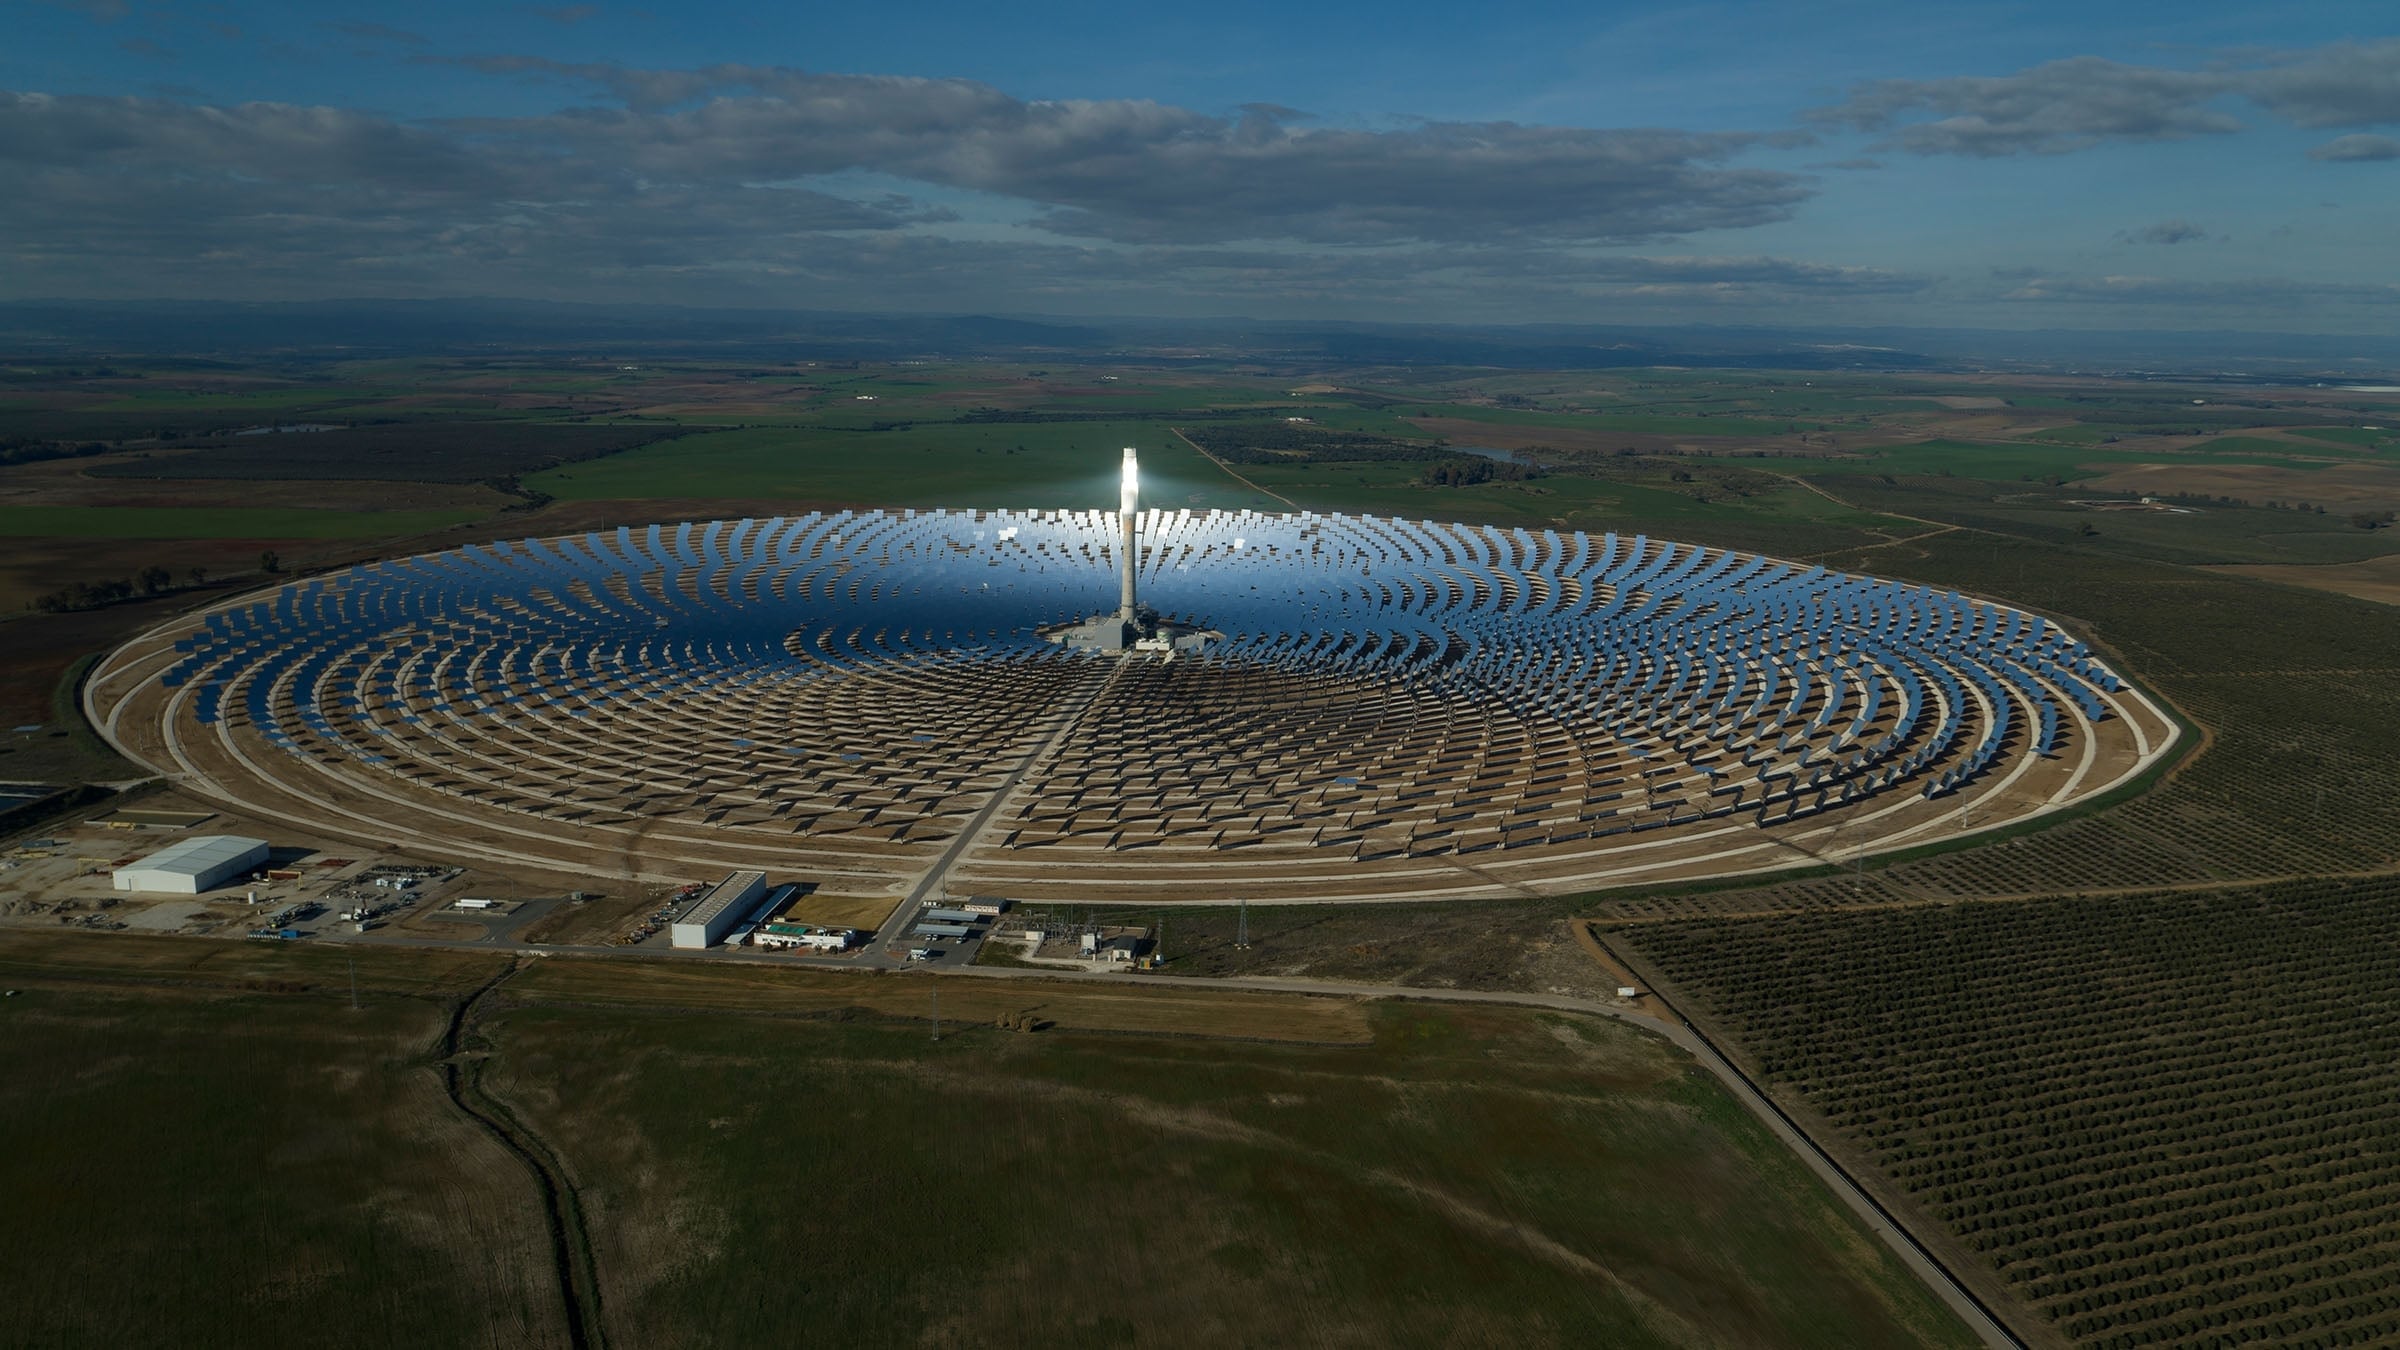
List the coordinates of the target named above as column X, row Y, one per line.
column 193, row 865
column 725, row 905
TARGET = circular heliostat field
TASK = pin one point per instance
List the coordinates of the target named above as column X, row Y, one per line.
column 1383, row 709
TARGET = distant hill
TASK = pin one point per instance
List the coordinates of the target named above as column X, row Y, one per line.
column 350, row 329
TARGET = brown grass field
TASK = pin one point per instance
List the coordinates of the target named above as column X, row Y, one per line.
column 1471, row 1177
column 755, row 987
column 2336, row 487
column 841, row 911
column 281, row 966
column 2376, row 579
column 213, row 1167
column 211, row 1135
column 595, row 921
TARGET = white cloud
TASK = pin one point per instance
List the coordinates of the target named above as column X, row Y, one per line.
column 2085, row 101
column 1142, row 172
column 740, row 186
column 2347, row 84
column 2049, row 109
column 2357, row 148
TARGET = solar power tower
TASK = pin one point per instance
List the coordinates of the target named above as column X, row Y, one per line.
column 1129, row 500
column 1132, row 628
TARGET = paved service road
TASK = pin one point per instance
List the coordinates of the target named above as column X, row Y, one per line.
column 934, row 883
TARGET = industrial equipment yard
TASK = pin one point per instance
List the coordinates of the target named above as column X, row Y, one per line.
column 335, row 891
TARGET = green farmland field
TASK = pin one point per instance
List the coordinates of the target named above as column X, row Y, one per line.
column 1968, row 459
column 2019, row 460
column 1638, row 424
column 175, row 522
column 2261, row 450
column 2074, row 435
column 1014, row 465
column 2362, row 438
column 1786, row 519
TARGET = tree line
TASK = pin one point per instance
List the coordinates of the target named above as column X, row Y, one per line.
column 1468, row 471
column 153, row 580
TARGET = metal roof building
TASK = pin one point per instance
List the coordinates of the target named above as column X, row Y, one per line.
column 191, row 866
column 719, row 911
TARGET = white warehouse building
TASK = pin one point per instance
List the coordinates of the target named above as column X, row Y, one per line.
column 193, row 865
column 720, row 911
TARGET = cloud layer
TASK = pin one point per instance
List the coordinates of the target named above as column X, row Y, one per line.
column 724, row 171
column 748, row 184
column 2186, row 293
column 2085, row 101
column 1138, row 171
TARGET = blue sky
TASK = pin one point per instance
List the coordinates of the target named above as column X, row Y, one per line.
column 2132, row 165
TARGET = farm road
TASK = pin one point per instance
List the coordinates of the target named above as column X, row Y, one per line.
column 1177, row 432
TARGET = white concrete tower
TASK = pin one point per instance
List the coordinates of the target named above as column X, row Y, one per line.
column 1128, row 501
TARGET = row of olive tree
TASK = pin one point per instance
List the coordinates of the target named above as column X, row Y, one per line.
column 150, row 581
